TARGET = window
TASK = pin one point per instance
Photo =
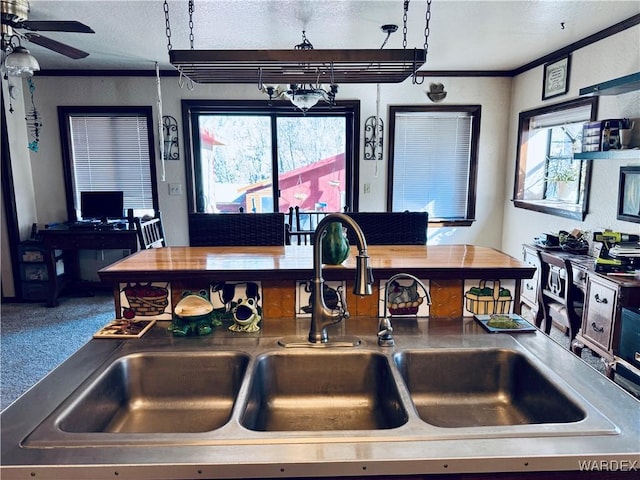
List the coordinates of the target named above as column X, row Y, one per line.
column 433, row 162
column 109, row 149
column 254, row 157
column 548, row 179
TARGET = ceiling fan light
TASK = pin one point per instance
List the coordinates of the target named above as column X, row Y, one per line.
column 20, row 63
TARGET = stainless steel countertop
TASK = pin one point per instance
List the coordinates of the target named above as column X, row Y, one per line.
column 610, row 433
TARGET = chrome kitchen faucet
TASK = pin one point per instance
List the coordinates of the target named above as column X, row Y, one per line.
column 321, row 315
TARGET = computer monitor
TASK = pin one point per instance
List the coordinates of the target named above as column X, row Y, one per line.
column 101, row 205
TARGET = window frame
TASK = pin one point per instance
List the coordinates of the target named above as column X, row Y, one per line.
column 191, row 109
column 475, row 111
column 64, row 112
column 551, row 208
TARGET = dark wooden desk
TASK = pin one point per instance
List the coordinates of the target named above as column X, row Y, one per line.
column 70, row 241
column 605, row 297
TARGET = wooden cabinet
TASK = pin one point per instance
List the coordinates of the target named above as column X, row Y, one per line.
column 529, row 293
column 34, row 271
column 597, row 324
column 601, row 320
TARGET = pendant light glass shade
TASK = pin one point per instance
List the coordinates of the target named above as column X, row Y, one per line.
column 304, row 99
column 302, row 96
column 20, row 63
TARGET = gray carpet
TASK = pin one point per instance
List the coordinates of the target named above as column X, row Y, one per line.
column 563, row 339
column 35, row 339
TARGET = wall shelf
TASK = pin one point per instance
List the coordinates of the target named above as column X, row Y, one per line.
column 616, row 86
column 627, row 154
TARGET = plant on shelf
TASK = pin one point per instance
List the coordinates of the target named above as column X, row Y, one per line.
column 562, row 176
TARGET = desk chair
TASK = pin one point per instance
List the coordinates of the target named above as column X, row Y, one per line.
column 560, row 300
column 150, row 232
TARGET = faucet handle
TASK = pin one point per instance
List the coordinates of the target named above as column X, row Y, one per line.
column 385, row 333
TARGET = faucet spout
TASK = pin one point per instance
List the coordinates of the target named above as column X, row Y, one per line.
column 321, row 315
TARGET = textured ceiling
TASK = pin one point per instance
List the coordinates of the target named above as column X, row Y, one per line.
column 464, row 35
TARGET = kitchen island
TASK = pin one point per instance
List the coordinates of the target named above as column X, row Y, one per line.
column 196, row 407
column 449, row 270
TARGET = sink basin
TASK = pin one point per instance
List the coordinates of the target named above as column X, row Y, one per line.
column 478, row 387
column 322, row 391
column 159, row 392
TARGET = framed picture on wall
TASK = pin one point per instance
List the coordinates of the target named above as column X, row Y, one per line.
column 556, row 78
column 629, row 194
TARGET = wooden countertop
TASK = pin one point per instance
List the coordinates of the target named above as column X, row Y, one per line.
column 437, row 261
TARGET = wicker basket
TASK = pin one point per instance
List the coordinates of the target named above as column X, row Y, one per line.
column 484, row 303
column 147, row 300
column 404, row 309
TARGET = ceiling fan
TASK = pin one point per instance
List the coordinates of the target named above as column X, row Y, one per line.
column 15, row 17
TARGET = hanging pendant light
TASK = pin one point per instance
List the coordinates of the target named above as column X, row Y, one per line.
column 305, row 95
column 304, row 99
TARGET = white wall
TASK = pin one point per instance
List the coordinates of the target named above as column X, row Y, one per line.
column 611, row 58
column 492, row 93
column 22, row 174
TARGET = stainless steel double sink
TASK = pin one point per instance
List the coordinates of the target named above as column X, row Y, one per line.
column 259, row 392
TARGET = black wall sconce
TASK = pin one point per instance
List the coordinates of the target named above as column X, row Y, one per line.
column 170, row 132
column 373, row 138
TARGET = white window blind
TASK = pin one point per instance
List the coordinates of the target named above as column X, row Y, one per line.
column 111, row 152
column 431, row 163
column 561, row 117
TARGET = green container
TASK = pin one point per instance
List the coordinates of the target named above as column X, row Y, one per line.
column 335, row 246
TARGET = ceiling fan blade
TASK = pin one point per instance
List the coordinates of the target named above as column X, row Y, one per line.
column 56, row 46
column 55, row 26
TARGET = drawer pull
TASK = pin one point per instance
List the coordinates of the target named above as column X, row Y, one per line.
column 529, row 287
column 601, row 300
column 596, row 327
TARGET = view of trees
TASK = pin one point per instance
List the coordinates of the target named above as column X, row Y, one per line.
column 305, row 140
column 236, row 150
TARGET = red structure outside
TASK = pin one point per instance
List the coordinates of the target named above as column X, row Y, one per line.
column 316, row 187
